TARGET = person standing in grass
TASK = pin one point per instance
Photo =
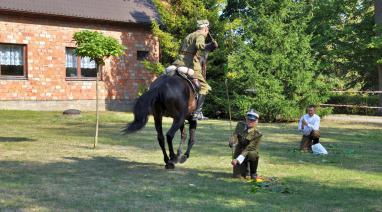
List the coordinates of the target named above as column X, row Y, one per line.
column 246, row 152
column 309, row 126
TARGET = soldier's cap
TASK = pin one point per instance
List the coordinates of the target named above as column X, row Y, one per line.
column 202, row 23
column 252, row 115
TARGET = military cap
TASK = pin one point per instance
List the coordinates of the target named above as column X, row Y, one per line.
column 203, row 23
column 252, row 115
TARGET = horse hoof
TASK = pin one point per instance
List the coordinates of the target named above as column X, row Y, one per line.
column 183, row 159
column 178, row 159
column 169, row 166
column 174, row 160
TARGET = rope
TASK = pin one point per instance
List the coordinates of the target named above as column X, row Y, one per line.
column 372, row 92
column 350, row 106
column 354, row 106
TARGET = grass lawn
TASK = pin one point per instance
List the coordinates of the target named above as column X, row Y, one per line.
column 47, row 164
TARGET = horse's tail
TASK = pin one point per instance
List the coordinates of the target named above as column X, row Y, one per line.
column 141, row 111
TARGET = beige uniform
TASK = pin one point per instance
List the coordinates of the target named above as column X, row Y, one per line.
column 189, row 56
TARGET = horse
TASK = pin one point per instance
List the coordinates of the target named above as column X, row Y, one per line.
column 170, row 96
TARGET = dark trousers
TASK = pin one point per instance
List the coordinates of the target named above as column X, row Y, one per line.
column 308, row 140
column 249, row 165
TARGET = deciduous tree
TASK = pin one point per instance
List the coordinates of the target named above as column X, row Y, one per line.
column 98, row 47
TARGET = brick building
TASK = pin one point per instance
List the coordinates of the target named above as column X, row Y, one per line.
column 38, row 70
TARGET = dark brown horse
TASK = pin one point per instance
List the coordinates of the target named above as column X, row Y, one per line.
column 170, row 96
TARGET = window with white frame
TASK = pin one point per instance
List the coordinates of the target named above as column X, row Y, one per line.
column 79, row 67
column 12, row 61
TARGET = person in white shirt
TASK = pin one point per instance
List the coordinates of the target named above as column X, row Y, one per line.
column 309, row 126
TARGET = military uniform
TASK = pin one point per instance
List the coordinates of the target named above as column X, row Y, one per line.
column 192, row 49
column 248, row 147
column 308, row 140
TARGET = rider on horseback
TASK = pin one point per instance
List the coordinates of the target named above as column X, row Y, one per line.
column 191, row 54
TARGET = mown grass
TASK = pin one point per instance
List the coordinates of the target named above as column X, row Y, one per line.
column 47, row 164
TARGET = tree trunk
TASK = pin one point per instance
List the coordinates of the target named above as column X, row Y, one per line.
column 99, row 69
column 378, row 21
column 380, row 89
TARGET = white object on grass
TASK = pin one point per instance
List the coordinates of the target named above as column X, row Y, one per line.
column 319, row 149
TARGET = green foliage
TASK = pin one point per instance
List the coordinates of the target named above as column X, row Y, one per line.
column 96, row 46
column 341, row 33
column 376, row 42
column 274, row 58
column 155, row 67
column 178, row 18
column 291, row 52
column 142, row 88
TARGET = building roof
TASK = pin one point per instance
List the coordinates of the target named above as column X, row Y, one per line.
column 129, row 11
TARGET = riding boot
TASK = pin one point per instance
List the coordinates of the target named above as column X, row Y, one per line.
column 253, row 168
column 198, row 115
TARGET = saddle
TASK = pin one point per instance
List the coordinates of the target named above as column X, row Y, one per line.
column 186, row 74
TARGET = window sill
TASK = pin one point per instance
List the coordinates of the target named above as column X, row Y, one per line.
column 13, row 78
column 81, row 79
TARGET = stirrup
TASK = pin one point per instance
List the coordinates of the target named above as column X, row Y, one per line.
column 195, row 116
column 199, row 116
column 202, row 117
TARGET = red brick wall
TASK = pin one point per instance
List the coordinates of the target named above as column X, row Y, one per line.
column 46, row 40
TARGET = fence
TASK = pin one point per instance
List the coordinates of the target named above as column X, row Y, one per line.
column 355, row 102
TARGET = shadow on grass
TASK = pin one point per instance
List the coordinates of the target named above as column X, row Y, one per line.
column 16, row 139
column 107, row 183
column 349, row 148
column 352, row 149
column 372, row 124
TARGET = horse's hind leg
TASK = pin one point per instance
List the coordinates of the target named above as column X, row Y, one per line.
column 177, row 123
column 183, row 134
column 158, row 127
column 191, row 140
column 183, row 137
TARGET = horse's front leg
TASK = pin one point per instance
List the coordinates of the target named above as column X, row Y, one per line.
column 191, row 141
